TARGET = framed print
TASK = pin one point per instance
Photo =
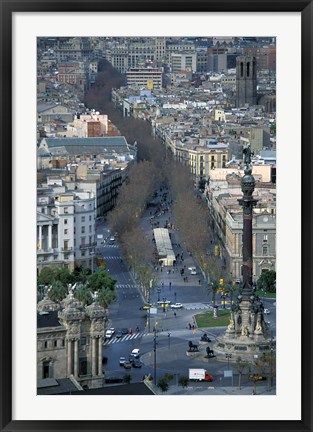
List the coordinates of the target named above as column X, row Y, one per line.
column 222, row 85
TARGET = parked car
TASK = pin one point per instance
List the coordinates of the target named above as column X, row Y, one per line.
column 113, row 380
column 127, row 365
column 266, row 311
column 191, row 268
column 124, row 330
column 132, row 358
column 135, row 352
column 119, row 334
column 137, row 363
column 176, row 306
column 122, row 360
column 193, row 272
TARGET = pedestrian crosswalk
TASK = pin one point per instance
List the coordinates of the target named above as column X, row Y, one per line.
column 112, row 257
column 127, row 286
column 125, row 338
column 196, row 306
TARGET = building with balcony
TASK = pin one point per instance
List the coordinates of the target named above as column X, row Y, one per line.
column 65, row 229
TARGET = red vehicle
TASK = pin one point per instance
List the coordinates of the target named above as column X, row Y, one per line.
column 200, row 375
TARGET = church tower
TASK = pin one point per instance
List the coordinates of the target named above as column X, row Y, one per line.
column 245, row 81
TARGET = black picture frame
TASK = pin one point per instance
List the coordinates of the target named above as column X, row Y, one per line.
column 6, row 392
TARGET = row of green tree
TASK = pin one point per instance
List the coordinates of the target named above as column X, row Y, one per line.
column 56, row 282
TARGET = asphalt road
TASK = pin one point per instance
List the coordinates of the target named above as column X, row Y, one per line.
column 173, row 326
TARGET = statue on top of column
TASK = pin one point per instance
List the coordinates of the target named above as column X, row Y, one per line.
column 247, row 153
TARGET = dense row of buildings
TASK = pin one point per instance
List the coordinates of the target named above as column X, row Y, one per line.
column 206, row 99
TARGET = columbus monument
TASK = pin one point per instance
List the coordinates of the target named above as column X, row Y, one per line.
column 247, row 335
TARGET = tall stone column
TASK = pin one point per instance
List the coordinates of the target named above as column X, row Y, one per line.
column 49, row 236
column 97, row 316
column 76, row 358
column 247, row 202
column 69, row 357
column 93, row 357
column 40, row 237
column 99, row 355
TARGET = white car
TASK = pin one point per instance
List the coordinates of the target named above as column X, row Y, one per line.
column 193, row 272
column 109, row 333
column 135, row 352
column 266, row 311
column 191, row 268
column 122, row 361
column 176, row 306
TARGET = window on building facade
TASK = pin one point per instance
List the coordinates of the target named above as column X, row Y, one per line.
column 65, row 221
column 83, row 218
column 83, row 230
column 265, row 238
column 65, row 210
column 65, row 231
column 265, row 250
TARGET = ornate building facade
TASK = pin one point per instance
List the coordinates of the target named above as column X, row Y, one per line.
column 69, row 340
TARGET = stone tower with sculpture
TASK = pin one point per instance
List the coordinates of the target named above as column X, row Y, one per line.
column 248, row 334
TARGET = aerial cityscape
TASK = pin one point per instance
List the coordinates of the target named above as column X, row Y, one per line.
column 156, row 215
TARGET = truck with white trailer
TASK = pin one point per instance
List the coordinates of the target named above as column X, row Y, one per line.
column 200, row 375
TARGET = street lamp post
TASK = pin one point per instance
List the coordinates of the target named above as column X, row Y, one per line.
column 149, row 301
column 228, row 356
column 158, row 291
column 154, row 349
